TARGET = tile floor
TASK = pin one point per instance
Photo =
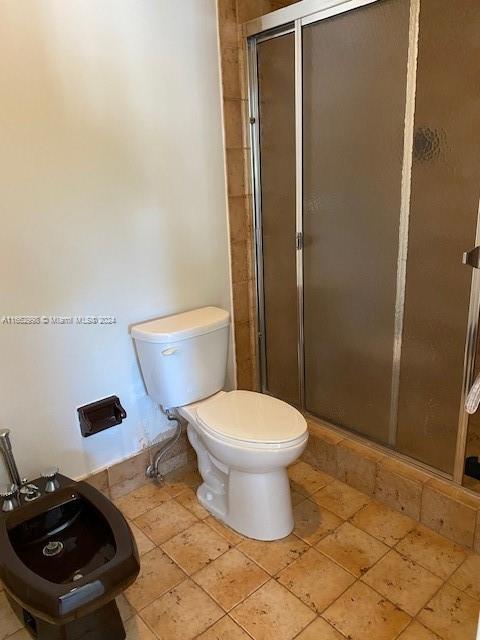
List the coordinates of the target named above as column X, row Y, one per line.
column 352, row 569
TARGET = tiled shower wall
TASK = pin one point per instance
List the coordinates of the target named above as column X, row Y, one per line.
column 232, row 14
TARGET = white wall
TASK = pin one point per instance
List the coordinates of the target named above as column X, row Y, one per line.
column 112, row 201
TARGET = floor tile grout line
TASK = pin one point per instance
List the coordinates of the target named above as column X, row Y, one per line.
column 345, row 568
column 190, row 575
column 415, row 617
column 143, row 607
column 270, row 577
column 253, row 592
column 427, row 568
column 310, row 545
column 240, row 626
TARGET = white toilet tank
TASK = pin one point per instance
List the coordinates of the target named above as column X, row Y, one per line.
column 183, row 357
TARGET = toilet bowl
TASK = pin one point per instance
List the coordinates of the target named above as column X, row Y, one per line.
column 244, row 443
column 244, row 440
column 64, row 558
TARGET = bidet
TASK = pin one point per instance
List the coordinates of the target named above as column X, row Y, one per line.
column 64, row 558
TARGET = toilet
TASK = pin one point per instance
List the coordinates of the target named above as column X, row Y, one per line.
column 244, row 440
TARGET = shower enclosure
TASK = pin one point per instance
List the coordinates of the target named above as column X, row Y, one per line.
column 365, row 125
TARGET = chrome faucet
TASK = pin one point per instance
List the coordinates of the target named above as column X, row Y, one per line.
column 28, row 491
column 6, row 449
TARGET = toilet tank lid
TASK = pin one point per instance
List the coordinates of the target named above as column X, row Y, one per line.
column 181, row 325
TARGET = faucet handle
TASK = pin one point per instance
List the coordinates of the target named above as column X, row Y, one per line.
column 8, row 491
column 50, row 475
column 9, row 494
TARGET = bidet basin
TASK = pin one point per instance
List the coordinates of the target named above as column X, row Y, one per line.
column 64, row 558
column 65, row 543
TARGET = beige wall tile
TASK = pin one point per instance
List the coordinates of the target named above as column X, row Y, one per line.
column 233, row 113
column 236, row 172
column 321, row 451
column 100, row 482
column 399, row 487
column 250, row 9
column 279, row 4
column 455, row 491
column 357, row 465
column 240, row 217
column 243, row 340
column 240, row 261
column 448, row 514
column 245, row 377
column 179, row 462
column 128, row 475
column 179, row 447
column 241, row 302
column 230, row 67
column 227, row 11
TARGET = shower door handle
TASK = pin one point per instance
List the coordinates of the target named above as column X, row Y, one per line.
column 472, row 257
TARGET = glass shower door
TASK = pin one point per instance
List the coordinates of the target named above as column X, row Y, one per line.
column 390, row 204
column 279, row 300
column 354, row 85
column 445, row 193
column 387, row 141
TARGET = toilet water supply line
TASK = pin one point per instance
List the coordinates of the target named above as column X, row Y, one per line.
column 153, row 470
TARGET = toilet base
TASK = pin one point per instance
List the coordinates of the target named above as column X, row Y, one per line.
column 101, row 624
column 257, row 505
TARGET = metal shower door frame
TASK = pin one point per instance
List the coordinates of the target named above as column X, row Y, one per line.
column 292, row 19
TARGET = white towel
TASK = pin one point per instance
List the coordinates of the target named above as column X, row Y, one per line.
column 473, row 398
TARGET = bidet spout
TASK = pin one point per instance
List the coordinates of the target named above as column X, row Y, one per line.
column 6, row 449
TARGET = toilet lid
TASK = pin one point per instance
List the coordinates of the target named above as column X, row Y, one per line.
column 252, row 417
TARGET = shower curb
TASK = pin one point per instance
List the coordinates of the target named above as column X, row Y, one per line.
column 438, row 503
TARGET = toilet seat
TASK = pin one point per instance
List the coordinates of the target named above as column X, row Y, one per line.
column 252, row 419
